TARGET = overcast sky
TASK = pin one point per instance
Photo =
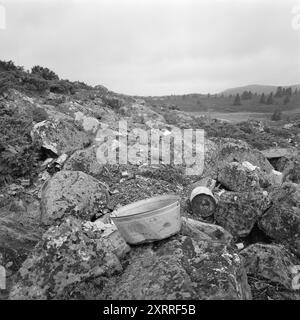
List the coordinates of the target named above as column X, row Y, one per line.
column 156, row 47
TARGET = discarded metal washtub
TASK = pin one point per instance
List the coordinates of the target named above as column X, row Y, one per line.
column 148, row 220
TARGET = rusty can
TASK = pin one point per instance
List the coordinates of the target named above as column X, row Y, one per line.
column 203, row 202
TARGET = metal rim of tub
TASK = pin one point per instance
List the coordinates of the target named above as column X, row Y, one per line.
column 174, row 201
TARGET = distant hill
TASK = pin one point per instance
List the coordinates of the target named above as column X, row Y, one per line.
column 256, row 88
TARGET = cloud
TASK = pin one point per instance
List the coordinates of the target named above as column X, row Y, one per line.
column 156, row 47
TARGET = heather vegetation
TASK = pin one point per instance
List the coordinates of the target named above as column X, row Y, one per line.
column 18, row 154
column 37, row 81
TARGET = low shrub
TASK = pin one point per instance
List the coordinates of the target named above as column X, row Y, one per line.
column 62, row 87
column 44, row 73
column 35, row 83
column 18, row 154
column 113, row 103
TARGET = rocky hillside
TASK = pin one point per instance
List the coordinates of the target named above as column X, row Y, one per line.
column 56, row 197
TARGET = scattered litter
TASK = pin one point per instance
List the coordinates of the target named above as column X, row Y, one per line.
column 14, row 189
column 105, row 219
column 265, row 193
column 277, row 177
column 43, row 176
column 249, row 166
column 240, row 246
column 25, row 182
column 288, row 126
column 61, row 159
column 125, row 174
column 220, row 192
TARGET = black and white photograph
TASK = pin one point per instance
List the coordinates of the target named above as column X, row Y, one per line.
column 149, row 151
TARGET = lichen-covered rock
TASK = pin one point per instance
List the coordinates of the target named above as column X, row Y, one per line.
column 238, row 212
column 199, row 230
column 210, row 159
column 283, row 158
column 274, row 153
column 85, row 161
column 89, row 124
column 180, row 118
column 271, row 262
column 72, row 193
column 291, row 170
column 287, row 192
column 60, row 136
column 282, row 220
column 140, row 113
column 19, row 233
column 17, row 238
column 68, row 254
column 231, row 150
column 183, row 268
column 289, row 166
column 276, row 178
column 87, row 113
column 239, row 177
column 280, row 163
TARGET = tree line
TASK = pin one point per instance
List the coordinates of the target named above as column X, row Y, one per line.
column 266, row 99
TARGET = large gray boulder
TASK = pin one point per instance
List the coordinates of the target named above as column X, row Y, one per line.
column 275, row 153
column 231, row 150
column 86, row 161
column 72, row 193
column 282, row 220
column 291, row 170
column 68, row 254
column 60, row 136
column 19, row 232
column 183, row 268
column 238, row 212
column 239, row 177
column 272, row 262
